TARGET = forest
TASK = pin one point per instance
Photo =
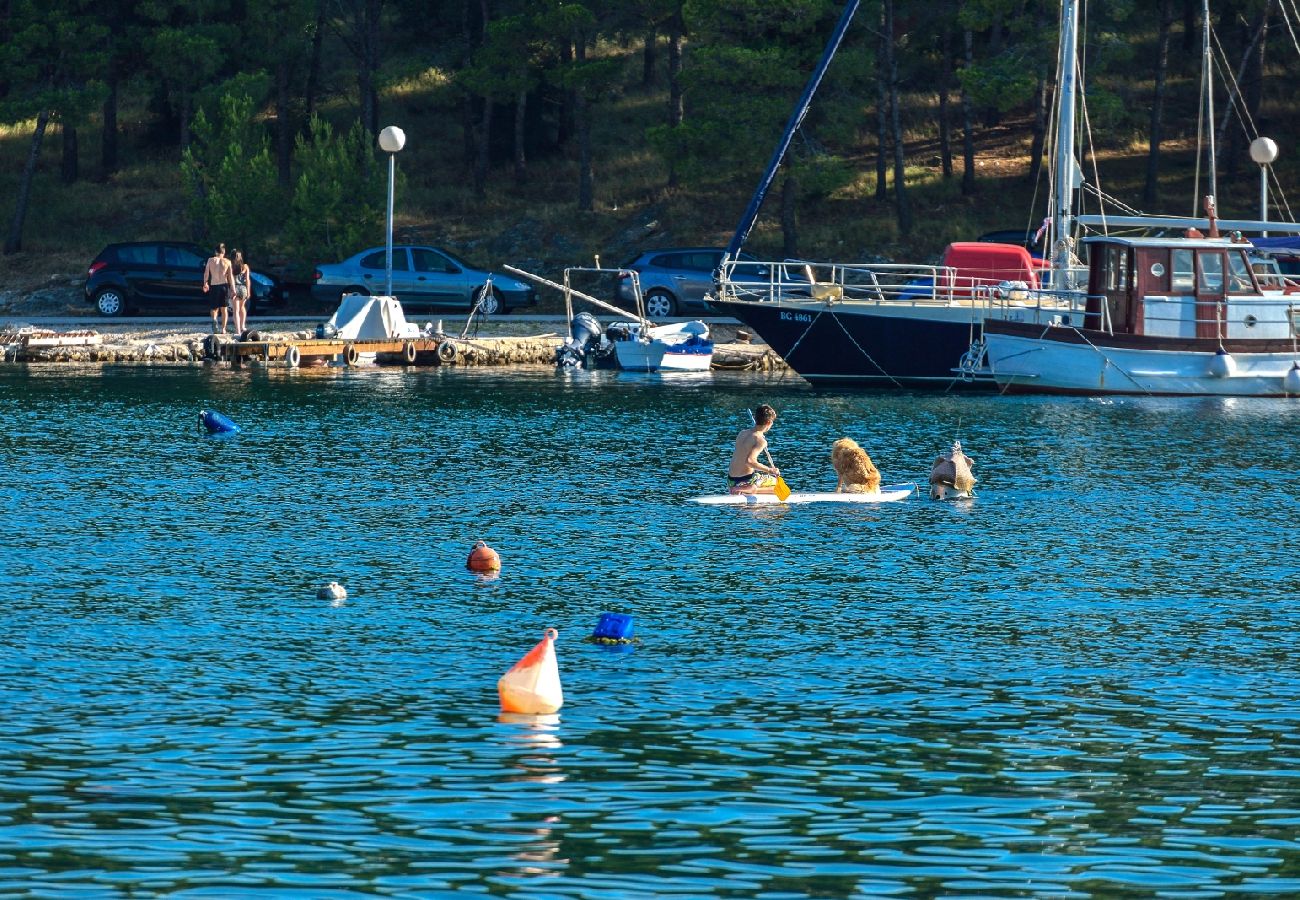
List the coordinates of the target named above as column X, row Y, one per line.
column 548, row 131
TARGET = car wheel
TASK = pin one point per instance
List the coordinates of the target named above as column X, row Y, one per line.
column 660, row 305
column 492, row 304
column 110, row 302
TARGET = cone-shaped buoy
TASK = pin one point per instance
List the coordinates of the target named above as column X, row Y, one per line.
column 483, row 559
column 533, row 685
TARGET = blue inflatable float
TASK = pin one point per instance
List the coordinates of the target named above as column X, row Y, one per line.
column 215, row 423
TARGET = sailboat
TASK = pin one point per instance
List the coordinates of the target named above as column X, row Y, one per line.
column 937, row 326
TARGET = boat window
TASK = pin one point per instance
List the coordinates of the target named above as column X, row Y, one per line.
column 1239, row 274
column 1211, row 273
column 1116, row 268
column 1182, row 280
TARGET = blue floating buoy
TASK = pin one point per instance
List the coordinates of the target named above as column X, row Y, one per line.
column 614, row 628
column 216, row 423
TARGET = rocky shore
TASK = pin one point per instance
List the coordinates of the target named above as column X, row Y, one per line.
column 188, row 344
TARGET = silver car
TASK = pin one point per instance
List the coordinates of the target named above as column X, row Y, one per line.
column 422, row 277
column 673, row 280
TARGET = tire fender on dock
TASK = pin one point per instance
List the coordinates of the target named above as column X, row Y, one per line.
column 408, row 353
column 292, row 356
column 350, row 355
column 447, row 351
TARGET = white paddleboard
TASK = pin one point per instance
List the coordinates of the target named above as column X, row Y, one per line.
column 888, row 494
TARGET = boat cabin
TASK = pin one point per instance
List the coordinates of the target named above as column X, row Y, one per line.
column 1181, row 287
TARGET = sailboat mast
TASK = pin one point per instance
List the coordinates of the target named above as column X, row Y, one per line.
column 1067, row 168
column 1207, row 74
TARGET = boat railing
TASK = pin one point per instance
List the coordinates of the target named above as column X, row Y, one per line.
column 799, row 282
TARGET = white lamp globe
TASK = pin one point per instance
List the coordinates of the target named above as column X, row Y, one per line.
column 393, row 139
column 1263, row 150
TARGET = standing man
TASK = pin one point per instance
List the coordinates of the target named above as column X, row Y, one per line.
column 746, row 474
column 219, row 285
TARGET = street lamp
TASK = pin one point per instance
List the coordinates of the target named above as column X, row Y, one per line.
column 391, row 140
column 1263, row 151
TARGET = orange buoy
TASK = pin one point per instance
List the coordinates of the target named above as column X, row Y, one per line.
column 483, row 559
column 533, row 684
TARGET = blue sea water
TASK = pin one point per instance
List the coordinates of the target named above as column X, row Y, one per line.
column 1082, row 684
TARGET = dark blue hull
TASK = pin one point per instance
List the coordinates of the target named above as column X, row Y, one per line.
column 844, row 346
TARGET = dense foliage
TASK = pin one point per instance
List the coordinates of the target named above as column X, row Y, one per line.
column 279, row 100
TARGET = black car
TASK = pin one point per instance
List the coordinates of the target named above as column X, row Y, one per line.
column 162, row 275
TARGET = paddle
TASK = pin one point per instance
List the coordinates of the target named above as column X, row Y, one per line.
column 782, row 490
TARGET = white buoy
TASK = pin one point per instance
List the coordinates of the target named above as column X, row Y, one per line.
column 332, row 591
column 1291, row 381
column 1223, row 365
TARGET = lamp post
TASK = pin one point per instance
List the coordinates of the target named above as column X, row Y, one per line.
column 1263, row 151
column 391, row 140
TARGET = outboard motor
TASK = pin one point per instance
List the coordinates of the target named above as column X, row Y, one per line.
column 586, row 333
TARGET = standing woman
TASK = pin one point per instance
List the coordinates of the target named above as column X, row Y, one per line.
column 239, row 302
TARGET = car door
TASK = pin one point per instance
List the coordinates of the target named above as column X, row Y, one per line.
column 374, row 274
column 180, row 280
column 695, row 277
column 140, row 268
column 438, row 279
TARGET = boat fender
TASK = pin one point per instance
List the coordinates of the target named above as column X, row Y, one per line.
column 332, row 591
column 532, row 686
column 1291, row 381
column 483, row 559
column 614, row 630
column 215, row 423
column 1222, row 365
column 447, row 352
column 408, row 353
column 292, row 356
column 350, row 355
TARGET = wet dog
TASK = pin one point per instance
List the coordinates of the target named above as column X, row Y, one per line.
column 857, row 474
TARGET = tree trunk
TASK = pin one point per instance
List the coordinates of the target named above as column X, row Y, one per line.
column 904, row 206
column 648, row 58
column 1040, row 130
column 186, row 104
column 283, row 132
column 882, row 110
column 1229, row 149
column 582, row 115
column 1151, row 192
column 676, row 108
column 314, row 63
column 14, row 243
column 945, row 113
column 789, row 217
column 968, row 127
column 108, row 137
column 564, row 127
column 482, row 156
column 70, row 170
column 521, row 157
column 467, row 105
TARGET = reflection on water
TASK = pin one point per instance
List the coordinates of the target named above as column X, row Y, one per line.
column 1081, row 684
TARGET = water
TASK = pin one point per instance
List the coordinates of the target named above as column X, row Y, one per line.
column 1082, row 684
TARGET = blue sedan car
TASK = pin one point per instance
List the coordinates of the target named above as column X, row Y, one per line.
column 422, row 277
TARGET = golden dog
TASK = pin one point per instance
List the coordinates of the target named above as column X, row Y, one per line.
column 857, row 474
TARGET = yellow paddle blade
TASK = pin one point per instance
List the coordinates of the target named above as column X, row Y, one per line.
column 782, row 490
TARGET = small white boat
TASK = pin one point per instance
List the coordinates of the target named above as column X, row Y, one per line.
column 679, row 347
column 889, row 493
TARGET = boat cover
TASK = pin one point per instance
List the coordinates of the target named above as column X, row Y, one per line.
column 361, row 318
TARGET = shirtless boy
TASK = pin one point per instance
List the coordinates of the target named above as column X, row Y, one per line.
column 219, row 285
column 746, row 474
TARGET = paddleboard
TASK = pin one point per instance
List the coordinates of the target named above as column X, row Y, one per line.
column 888, row 494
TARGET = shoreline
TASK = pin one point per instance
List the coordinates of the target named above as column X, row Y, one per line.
column 190, row 342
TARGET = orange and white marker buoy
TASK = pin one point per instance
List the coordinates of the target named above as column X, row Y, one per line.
column 483, row 559
column 533, row 684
